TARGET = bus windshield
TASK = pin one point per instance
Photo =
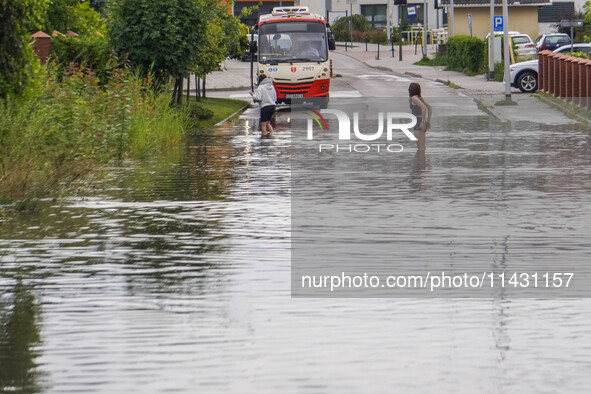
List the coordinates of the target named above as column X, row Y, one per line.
column 292, row 42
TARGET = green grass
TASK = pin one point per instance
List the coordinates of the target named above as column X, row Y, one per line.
column 506, row 102
column 452, row 85
column 438, row 60
column 221, row 108
column 72, row 125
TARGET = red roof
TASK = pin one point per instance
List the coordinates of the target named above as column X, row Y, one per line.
column 40, row 34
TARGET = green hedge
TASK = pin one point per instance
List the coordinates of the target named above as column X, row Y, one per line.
column 90, row 51
column 340, row 28
column 465, row 53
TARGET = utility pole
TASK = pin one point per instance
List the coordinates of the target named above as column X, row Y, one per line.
column 451, row 19
column 506, row 50
column 388, row 23
column 399, row 33
column 426, row 13
column 491, row 43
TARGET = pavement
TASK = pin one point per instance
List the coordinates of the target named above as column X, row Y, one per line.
column 234, row 76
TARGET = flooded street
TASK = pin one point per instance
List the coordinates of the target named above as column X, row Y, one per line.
column 174, row 275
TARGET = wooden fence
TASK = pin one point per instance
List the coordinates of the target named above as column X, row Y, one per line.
column 566, row 77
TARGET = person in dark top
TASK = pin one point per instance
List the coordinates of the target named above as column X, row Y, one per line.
column 422, row 110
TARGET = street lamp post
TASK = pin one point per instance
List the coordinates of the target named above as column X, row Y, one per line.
column 506, row 50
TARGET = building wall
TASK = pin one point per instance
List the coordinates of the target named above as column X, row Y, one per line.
column 521, row 19
column 321, row 6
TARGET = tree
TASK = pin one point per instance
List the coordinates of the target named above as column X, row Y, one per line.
column 340, row 27
column 17, row 60
column 74, row 15
column 159, row 35
column 211, row 50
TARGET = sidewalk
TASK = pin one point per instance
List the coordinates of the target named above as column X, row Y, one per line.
column 476, row 85
column 234, row 75
column 488, row 93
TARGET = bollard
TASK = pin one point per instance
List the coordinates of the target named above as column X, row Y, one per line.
column 365, row 42
column 345, row 45
column 392, row 42
column 378, row 51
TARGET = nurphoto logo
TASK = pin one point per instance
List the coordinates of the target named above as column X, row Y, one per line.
column 392, row 120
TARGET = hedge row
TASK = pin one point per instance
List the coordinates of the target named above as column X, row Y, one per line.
column 85, row 51
column 465, row 53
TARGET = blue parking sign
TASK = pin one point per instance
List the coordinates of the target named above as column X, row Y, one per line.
column 498, row 23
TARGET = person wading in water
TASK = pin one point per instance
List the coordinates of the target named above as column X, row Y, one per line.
column 422, row 110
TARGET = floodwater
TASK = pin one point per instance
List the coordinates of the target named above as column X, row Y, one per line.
column 174, row 275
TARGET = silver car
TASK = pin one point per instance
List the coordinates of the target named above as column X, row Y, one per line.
column 524, row 75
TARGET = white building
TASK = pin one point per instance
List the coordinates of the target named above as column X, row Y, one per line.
column 376, row 11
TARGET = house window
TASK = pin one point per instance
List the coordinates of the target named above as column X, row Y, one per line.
column 414, row 16
column 375, row 14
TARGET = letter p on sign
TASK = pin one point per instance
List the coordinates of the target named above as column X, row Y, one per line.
column 498, row 23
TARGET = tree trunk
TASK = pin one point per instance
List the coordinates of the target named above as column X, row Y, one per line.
column 198, row 86
column 188, row 88
column 174, row 93
column 204, row 86
column 180, row 91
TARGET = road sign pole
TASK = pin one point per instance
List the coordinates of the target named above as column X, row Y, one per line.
column 506, row 49
column 399, row 33
column 491, row 43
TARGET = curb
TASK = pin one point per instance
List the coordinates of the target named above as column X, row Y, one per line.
column 221, row 122
column 568, row 109
column 490, row 111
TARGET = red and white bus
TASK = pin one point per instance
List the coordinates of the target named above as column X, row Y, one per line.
column 293, row 50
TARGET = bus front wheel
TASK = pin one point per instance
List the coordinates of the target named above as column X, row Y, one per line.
column 321, row 102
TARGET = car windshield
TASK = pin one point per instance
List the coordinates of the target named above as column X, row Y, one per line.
column 292, row 42
column 557, row 40
column 580, row 48
column 521, row 40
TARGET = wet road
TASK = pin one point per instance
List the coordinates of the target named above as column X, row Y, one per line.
column 174, row 274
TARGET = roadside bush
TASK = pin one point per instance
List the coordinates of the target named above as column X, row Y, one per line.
column 340, row 27
column 373, row 36
column 74, row 124
column 465, row 53
column 195, row 114
column 499, row 71
column 92, row 51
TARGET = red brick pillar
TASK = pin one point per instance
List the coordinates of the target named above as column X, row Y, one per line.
column 588, row 88
column 560, row 77
column 570, row 78
column 542, row 70
column 41, row 45
column 578, row 68
column 552, row 74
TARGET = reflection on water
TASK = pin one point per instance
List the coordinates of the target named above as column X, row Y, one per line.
column 19, row 338
column 174, row 274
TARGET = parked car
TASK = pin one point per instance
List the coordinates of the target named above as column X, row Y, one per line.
column 524, row 75
column 524, row 46
column 550, row 42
